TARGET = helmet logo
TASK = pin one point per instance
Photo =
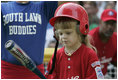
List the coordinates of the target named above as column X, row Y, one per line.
column 110, row 13
column 85, row 31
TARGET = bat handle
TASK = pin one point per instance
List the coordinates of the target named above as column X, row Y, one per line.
column 36, row 71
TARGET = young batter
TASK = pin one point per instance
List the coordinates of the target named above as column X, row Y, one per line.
column 77, row 59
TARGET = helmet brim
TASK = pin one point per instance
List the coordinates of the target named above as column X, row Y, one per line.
column 52, row 20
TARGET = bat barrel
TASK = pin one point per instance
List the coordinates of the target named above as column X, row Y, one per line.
column 21, row 56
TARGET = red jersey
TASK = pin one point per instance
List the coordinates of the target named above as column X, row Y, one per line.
column 82, row 64
column 107, row 52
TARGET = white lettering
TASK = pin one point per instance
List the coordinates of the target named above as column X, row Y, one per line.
column 22, row 30
column 35, row 17
column 30, row 29
column 39, row 19
column 11, row 17
column 16, row 14
column 26, row 18
column 10, row 30
column 19, row 30
column 15, row 30
column 31, row 17
column 4, row 18
column 34, row 29
column 76, row 77
column 7, row 18
column 106, row 60
column 20, row 17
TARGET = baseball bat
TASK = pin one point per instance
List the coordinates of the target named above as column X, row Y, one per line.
column 21, row 56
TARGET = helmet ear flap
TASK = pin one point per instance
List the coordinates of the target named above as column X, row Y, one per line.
column 86, row 28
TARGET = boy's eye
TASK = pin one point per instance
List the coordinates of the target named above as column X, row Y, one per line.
column 60, row 33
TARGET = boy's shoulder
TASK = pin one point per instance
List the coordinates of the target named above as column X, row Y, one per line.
column 89, row 51
column 60, row 50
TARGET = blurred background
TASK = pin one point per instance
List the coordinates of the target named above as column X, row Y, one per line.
column 94, row 9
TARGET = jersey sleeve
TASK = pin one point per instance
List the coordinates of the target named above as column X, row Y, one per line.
column 94, row 70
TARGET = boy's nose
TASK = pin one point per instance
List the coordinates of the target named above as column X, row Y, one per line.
column 64, row 36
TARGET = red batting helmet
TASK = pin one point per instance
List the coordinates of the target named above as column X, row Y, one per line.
column 74, row 11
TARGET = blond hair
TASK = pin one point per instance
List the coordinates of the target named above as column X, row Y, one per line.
column 69, row 23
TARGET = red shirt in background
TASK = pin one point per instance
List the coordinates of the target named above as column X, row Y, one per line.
column 107, row 52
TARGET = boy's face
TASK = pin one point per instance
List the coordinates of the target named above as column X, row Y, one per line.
column 68, row 37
